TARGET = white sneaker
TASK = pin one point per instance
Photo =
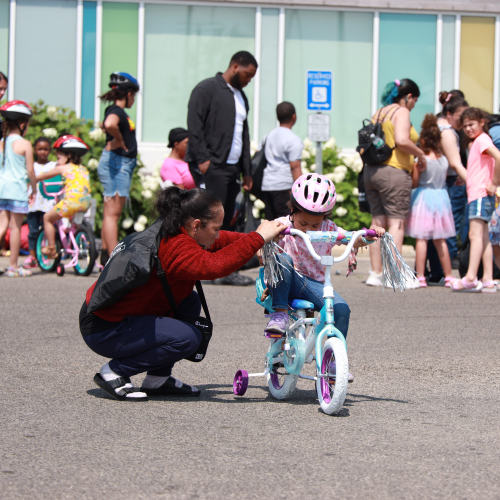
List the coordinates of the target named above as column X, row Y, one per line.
column 375, row 279
column 412, row 281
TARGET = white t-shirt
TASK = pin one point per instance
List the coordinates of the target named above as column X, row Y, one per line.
column 41, row 203
column 282, row 147
column 241, row 116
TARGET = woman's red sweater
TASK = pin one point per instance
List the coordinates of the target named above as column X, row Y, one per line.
column 184, row 262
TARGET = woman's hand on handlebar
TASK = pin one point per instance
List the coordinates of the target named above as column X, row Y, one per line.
column 269, row 229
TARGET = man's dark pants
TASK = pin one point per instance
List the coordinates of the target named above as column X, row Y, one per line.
column 276, row 203
column 224, row 182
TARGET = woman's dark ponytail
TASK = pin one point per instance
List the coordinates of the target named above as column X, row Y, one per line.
column 176, row 206
column 451, row 102
column 396, row 90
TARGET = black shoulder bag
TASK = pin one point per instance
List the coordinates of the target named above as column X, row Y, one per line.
column 204, row 325
column 259, row 163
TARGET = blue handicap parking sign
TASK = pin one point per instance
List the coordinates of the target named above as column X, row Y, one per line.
column 319, row 90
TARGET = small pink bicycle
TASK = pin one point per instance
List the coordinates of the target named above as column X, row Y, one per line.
column 74, row 237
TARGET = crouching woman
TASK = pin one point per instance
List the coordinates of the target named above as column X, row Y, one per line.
column 138, row 332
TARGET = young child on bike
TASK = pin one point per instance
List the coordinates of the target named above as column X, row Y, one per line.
column 483, row 178
column 431, row 215
column 16, row 167
column 76, row 187
column 312, row 200
column 41, row 205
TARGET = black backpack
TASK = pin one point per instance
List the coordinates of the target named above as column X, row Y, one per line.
column 129, row 266
column 370, row 154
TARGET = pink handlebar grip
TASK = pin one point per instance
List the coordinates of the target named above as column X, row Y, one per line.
column 286, row 231
column 371, row 233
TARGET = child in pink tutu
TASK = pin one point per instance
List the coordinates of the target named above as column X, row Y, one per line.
column 431, row 216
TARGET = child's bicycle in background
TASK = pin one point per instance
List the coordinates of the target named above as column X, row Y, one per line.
column 74, row 237
column 286, row 355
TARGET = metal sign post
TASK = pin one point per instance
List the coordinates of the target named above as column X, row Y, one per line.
column 318, row 131
column 319, row 98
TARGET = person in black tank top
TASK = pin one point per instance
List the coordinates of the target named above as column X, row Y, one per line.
column 119, row 157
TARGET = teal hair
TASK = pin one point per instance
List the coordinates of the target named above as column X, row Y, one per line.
column 390, row 94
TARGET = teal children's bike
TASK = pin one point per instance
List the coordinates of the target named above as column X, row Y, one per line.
column 308, row 339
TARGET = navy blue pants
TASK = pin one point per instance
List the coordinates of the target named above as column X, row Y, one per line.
column 35, row 222
column 297, row 286
column 140, row 344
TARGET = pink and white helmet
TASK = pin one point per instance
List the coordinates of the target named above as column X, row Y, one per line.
column 314, row 194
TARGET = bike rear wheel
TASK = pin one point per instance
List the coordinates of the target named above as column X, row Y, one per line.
column 281, row 383
column 47, row 265
column 87, row 252
column 332, row 385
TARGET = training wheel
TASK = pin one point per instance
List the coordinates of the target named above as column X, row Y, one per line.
column 240, row 383
column 60, row 270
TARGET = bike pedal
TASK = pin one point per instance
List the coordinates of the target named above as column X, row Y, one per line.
column 273, row 335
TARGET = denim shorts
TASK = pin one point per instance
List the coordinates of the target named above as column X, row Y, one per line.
column 115, row 173
column 14, row 206
column 482, row 208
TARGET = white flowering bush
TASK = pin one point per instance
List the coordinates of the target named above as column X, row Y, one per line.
column 97, row 135
column 343, row 171
column 92, row 164
column 52, row 113
column 50, row 133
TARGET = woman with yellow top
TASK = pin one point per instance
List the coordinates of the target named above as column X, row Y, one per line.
column 388, row 185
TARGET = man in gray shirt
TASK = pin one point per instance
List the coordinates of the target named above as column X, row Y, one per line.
column 283, row 155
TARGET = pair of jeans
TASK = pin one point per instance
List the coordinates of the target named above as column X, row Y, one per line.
column 115, row 173
column 298, row 286
column 138, row 344
column 35, row 222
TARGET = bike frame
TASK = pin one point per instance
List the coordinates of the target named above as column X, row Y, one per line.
column 66, row 234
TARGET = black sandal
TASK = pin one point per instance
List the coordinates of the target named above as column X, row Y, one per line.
column 111, row 386
column 170, row 389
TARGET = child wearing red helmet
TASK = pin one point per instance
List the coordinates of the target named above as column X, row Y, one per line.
column 76, row 187
column 16, row 167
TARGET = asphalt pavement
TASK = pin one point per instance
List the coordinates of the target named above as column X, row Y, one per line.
column 420, row 420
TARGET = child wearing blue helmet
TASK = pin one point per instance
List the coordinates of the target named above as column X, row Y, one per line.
column 119, row 157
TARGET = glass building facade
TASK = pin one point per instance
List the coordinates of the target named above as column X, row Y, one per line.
column 62, row 51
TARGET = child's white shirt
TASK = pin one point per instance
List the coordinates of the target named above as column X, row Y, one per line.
column 41, row 204
column 302, row 259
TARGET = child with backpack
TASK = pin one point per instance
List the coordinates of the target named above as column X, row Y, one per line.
column 16, row 168
column 483, row 179
column 431, row 215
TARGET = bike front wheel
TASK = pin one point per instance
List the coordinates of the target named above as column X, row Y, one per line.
column 281, row 383
column 331, row 386
column 87, row 252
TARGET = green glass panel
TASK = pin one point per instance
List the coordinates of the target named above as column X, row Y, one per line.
column 120, row 22
column 448, row 61
column 45, row 62
column 4, row 36
column 268, row 72
column 184, row 45
column 408, row 50
column 342, row 43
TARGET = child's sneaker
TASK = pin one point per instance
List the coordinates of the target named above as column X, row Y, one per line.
column 17, row 273
column 333, row 369
column 30, row 262
column 276, row 327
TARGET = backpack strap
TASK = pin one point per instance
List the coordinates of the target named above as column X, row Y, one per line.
column 170, row 297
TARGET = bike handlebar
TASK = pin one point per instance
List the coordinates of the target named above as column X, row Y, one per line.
column 328, row 237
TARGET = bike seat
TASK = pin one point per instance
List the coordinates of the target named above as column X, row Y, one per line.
column 300, row 304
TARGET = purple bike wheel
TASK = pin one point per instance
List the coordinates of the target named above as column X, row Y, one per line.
column 240, row 382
